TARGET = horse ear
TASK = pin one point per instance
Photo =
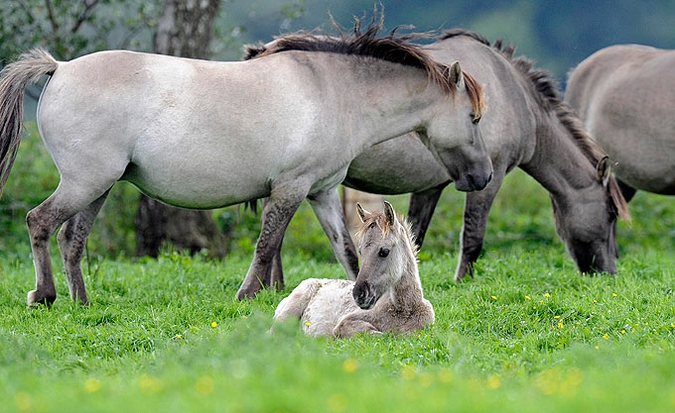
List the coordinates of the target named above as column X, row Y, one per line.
column 362, row 212
column 603, row 170
column 456, row 75
column 389, row 213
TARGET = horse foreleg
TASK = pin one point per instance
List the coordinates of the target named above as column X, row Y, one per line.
column 328, row 209
column 352, row 324
column 276, row 216
column 476, row 211
column 276, row 278
column 277, row 274
column 421, row 209
column 72, row 240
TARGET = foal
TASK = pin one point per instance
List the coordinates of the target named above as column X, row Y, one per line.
column 386, row 296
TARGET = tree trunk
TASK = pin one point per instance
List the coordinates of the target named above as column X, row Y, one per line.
column 184, row 29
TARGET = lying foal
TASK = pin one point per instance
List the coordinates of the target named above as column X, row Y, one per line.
column 386, row 296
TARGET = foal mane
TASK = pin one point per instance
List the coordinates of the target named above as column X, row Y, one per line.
column 393, row 48
column 549, row 97
column 378, row 218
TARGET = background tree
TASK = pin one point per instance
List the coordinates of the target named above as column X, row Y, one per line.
column 185, row 29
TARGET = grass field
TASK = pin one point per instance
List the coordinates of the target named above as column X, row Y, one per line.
column 528, row 334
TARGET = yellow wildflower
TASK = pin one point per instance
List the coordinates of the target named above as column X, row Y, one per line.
column 92, row 385
column 350, row 366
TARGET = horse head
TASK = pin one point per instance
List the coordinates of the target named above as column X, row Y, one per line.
column 588, row 226
column 468, row 160
column 385, row 248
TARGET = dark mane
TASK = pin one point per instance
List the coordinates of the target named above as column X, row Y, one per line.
column 393, row 48
column 549, row 97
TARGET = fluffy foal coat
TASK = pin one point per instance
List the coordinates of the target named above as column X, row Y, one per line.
column 386, row 296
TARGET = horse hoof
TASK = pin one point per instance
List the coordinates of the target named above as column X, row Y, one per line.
column 243, row 295
column 35, row 299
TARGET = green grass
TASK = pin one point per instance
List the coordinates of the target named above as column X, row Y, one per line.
column 528, row 334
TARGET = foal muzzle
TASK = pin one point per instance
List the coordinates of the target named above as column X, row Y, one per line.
column 364, row 296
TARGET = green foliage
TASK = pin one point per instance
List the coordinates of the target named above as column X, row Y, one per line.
column 72, row 28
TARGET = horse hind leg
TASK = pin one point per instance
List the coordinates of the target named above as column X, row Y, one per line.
column 72, row 240
column 42, row 223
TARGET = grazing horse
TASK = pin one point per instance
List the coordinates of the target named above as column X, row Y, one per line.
column 625, row 96
column 387, row 294
column 527, row 125
column 203, row 134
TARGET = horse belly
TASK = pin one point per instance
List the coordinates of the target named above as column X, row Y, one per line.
column 197, row 188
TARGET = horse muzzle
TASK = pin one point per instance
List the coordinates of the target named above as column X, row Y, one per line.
column 474, row 181
column 364, row 296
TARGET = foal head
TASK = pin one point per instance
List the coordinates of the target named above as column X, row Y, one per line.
column 388, row 254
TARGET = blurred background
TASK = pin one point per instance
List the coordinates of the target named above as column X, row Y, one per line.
column 557, row 34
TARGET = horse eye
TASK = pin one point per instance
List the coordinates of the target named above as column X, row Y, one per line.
column 383, row 252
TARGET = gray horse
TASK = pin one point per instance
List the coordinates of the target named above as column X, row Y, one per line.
column 201, row 134
column 625, row 95
column 387, row 294
column 526, row 125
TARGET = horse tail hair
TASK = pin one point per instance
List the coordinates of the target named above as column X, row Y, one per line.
column 28, row 69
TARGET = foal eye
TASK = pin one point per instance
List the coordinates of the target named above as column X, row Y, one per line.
column 383, row 252
column 475, row 119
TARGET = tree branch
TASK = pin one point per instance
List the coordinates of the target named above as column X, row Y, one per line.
column 89, row 6
column 26, row 8
column 52, row 18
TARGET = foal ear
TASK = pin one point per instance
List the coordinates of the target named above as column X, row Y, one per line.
column 362, row 212
column 603, row 170
column 456, row 75
column 389, row 213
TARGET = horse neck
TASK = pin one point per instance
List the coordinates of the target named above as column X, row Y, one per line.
column 558, row 163
column 393, row 100
column 408, row 291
